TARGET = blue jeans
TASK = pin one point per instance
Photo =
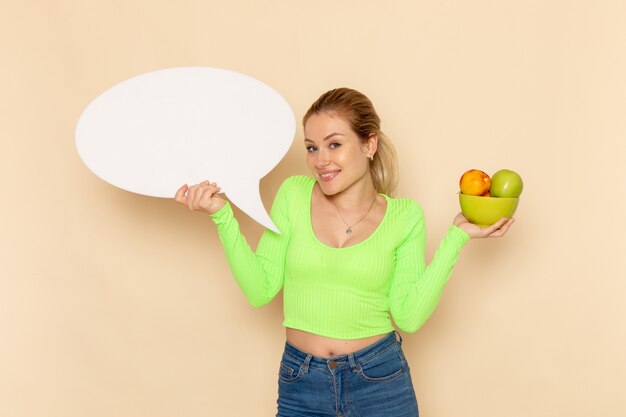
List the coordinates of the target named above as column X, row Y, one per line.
column 374, row 381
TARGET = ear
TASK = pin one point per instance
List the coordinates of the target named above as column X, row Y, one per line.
column 371, row 145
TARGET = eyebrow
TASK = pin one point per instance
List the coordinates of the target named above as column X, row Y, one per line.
column 327, row 137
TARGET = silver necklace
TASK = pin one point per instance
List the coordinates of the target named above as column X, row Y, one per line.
column 350, row 226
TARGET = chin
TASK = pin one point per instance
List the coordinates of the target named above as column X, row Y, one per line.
column 328, row 189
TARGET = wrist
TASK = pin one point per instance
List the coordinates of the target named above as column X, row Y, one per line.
column 223, row 214
column 216, row 208
column 460, row 232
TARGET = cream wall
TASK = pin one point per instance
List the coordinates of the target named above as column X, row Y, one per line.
column 114, row 304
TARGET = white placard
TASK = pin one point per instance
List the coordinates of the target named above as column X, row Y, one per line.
column 155, row 132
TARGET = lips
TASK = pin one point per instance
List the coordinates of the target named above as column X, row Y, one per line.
column 328, row 175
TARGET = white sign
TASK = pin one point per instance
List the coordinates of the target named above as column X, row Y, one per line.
column 155, row 132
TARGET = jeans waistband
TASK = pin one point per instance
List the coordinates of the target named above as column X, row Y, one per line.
column 359, row 356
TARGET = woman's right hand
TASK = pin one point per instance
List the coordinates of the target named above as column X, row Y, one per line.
column 201, row 197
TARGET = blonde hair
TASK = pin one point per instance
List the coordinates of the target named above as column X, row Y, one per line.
column 359, row 112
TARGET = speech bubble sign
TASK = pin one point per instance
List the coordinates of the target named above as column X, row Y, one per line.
column 157, row 131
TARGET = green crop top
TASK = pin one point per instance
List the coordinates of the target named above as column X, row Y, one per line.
column 342, row 293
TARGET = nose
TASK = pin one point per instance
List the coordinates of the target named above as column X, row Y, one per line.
column 321, row 159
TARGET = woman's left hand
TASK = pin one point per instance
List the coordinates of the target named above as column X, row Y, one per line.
column 497, row 229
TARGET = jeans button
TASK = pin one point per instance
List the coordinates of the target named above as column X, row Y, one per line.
column 332, row 364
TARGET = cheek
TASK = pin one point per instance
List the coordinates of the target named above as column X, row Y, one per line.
column 354, row 164
column 355, row 158
column 310, row 161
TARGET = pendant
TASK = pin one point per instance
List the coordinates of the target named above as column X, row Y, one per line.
column 348, row 230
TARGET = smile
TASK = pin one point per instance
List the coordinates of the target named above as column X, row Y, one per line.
column 328, row 175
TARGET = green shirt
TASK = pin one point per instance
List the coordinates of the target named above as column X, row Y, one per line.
column 343, row 293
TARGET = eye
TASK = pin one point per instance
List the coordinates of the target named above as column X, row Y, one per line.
column 335, row 145
column 311, row 148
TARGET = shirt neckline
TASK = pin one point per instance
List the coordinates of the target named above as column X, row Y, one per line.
column 362, row 242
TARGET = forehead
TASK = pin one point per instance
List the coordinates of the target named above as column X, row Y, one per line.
column 320, row 125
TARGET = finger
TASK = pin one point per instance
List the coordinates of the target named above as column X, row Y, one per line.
column 180, row 194
column 208, row 199
column 191, row 195
column 216, row 188
column 205, row 196
column 489, row 230
column 197, row 194
column 501, row 231
column 212, row 190
column 506, row 226
column 497, row 233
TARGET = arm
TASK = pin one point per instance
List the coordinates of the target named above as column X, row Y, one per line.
column 416, row 288
column 260, row 275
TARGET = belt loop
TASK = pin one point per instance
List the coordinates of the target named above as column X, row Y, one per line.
column 398, row 336
column 305, row 364
column 353, row 364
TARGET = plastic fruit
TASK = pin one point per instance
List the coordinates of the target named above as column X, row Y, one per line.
column 474, row 182
column 506, row 184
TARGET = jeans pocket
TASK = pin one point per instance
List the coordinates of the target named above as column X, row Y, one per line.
column 386, row 366
column 290, row 370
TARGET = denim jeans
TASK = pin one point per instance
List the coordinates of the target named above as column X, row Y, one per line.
column 372, row 382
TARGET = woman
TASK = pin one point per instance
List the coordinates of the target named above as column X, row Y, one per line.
column 349, row 256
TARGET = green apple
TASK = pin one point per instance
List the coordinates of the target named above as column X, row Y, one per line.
column 506, row 183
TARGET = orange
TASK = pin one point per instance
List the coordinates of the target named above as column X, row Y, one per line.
column 475, row 182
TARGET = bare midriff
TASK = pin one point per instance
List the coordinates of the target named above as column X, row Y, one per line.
column 327, row 347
